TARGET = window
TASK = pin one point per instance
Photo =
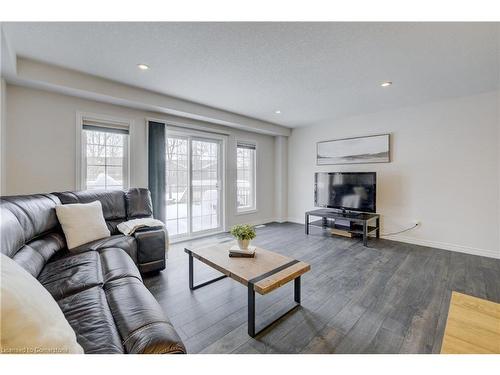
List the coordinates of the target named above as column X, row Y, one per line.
column 245, row 176
column 104, row 155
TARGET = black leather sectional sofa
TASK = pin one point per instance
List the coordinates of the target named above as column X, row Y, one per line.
column 98, row 286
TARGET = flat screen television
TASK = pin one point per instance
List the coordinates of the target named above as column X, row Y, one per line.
column 350, row 191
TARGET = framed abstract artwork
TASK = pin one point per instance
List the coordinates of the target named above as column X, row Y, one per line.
column 359, row 150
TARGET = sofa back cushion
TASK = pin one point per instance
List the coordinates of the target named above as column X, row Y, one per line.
column 112, row 201
column 29, row 230
column 138, row 203
column 12, row 236
column 35, row 213
column 25, row 218
column 35, row 254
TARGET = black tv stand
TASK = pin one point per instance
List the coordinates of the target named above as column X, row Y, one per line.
column 357, row 222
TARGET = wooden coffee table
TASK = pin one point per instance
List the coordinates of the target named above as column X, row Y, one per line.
column 263, row 273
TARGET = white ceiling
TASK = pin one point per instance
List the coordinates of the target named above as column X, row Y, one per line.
column 312, row 72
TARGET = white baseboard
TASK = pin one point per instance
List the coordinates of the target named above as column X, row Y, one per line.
column 435, row 244
column 253, row 223
column 446, row 246
column 257, row 222
column 280, row 221
column 295, row 220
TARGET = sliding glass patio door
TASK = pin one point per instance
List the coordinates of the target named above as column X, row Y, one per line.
column 194, row 184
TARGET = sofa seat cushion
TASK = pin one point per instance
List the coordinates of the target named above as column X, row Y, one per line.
column 89, row 315
column 126, row 243
column 72, row 274
column 116, row 264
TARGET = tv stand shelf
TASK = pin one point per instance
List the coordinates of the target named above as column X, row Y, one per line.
column 359, row 222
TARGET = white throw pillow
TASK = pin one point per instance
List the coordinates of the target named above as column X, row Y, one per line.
column 31, row 320
column 82, row 223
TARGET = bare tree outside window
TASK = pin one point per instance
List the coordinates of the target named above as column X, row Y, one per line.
column 192, row 186
column 105, row 163
column 177, row 185
column 245, row 180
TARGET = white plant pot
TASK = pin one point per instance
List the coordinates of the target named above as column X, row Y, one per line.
column 243, row 244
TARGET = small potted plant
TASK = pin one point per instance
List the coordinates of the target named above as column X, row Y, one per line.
column 244, row 233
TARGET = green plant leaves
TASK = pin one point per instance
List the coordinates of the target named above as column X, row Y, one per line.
column 243, row 232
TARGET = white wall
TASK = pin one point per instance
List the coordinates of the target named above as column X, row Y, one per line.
column 444, row 171
column 281, row 180
column 41, row 148
column 498, row 152
column 3, row 135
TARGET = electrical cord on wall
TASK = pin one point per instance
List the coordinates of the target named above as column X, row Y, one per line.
column 401, row 231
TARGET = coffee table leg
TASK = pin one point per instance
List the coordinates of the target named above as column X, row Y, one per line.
column 365, row 233
column 191, row 286
column 191, row 274
column 251, row 310
column 251, row 306
column 296, row 290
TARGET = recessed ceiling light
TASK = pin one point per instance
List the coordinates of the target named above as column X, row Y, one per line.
column 143, row 66
column 277, row 111
column 386, row 84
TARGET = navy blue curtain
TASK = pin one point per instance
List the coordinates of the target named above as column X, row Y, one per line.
column 157, row 168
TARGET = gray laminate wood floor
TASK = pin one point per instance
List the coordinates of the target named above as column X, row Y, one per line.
column 390, row 297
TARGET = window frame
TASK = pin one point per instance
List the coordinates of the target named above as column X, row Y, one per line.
column 185, row 126
column 81, row 160
column 254, row 207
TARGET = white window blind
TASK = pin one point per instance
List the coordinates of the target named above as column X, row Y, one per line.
column 249, row 146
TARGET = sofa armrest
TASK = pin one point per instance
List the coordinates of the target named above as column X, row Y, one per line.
column 152, row 244
column 156, row 338
column 140, row 320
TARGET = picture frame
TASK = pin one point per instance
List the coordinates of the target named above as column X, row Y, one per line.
column 355, row 150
